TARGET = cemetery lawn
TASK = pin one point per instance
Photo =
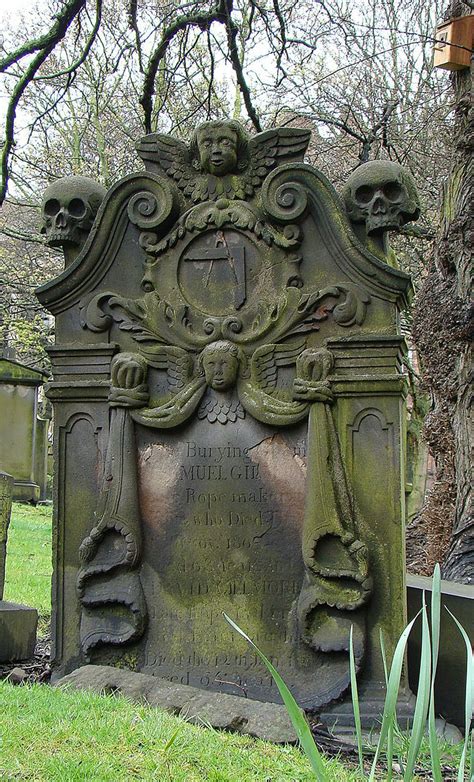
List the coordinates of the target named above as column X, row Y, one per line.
column 48, row 735
column 51, row 735
column 29, row 560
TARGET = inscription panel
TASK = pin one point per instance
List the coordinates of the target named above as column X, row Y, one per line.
column 222, row 518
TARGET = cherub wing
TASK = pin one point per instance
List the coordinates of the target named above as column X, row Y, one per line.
column 164, row 154
column 178, row 363
column 266, row 360
column 272, row 148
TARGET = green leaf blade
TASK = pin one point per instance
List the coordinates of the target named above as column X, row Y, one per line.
column 295, row 713
column 469, row 697
column 435, row 632
column 355, row 701
column 393, row 686
column 422, row 699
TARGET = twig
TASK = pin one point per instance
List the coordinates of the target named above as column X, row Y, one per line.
column 48, row 43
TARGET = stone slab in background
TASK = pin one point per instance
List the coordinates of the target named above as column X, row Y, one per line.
column 6, row 488
column 339, row 717
column 18, row 625
column 450, row 681
column 19, row 386
column 268, row 721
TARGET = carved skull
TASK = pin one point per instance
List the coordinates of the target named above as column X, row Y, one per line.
column 382, row 195
column 68, row 210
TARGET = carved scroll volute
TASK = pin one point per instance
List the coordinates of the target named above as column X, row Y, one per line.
column 284, row 199
column 154, row 210
column 337, row 582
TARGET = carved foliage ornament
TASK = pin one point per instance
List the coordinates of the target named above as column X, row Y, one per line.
column 217, row 352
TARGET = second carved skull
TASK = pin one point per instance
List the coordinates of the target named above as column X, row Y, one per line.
column 68, row 210
column 381, row 194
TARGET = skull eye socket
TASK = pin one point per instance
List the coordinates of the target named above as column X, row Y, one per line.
column 52, row 207
column 77, row 207
column 364, row 194
column 392, row 191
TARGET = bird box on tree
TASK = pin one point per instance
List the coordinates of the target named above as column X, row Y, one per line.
column 454, row 40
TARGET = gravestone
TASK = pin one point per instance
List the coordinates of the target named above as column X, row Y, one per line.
column 42, row 460
column 17, row 622
column 229, row 419
column 21, row 452
column 6, row 488
column 452, row 662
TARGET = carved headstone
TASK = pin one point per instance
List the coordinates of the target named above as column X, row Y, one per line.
column 229, row 422
column 6, row 489
column 21, row 429
column 17, row 622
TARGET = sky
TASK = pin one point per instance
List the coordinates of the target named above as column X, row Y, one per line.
column 8, row 7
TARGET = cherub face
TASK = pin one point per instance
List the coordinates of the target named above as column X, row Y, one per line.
column 217, row 149
column 220, row 368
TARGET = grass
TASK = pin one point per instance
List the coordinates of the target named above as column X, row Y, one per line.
column 29, row 564
column 49, row 735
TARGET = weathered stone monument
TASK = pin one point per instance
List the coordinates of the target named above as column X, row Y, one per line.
column 6, row 490
column 17, row 622
column 23, row 433
column 229, row 419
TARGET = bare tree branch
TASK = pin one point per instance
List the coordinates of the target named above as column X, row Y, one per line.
column 55, row 34
column 132, row 15
column 203, row 21
column 232, row 32
column 85, row 51
column 44, row 47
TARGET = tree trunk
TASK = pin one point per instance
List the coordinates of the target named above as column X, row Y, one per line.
column 443, row 334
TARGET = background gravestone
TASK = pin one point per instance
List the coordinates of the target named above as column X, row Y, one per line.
column 452, row 663
column 42, row 449
column 17, row 622
column 229, row 420
column 22, row 436
column 6, row 488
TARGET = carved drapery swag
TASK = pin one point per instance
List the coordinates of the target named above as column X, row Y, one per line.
column 337, row 583
column 113, row 604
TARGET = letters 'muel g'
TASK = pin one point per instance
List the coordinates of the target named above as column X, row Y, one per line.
column 229, row 416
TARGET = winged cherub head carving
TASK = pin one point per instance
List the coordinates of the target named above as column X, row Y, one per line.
column 219, row 148
column 220, row 363
column 222, row 161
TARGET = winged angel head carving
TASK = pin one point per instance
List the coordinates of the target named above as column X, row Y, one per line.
column 220, row 363
column 220, row 366
column 219, row 148
column 222, row 160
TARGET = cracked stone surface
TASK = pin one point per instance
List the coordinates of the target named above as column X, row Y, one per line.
column 268, row 721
